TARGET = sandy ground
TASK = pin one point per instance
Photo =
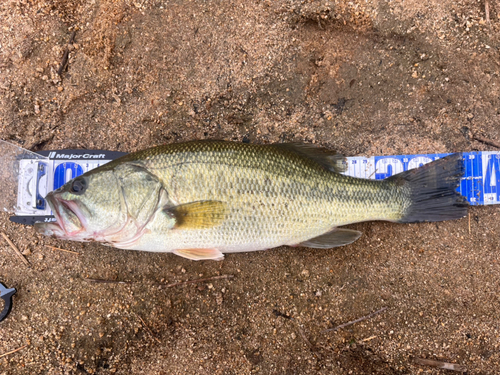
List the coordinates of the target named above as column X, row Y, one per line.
column 363, row 78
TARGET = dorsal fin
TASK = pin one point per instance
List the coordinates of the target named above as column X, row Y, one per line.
column 327, row 158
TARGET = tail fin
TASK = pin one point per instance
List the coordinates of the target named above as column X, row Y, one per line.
column 432, row 190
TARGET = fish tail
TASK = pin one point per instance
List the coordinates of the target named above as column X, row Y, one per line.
column 431, row 190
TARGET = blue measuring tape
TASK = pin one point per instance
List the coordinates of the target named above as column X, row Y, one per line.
column 480, row 183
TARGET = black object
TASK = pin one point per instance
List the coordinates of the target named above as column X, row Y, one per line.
column 6, row 295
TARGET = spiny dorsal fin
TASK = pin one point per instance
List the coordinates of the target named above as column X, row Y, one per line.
column 197, row 215
column 335, row 238
column 327, row 158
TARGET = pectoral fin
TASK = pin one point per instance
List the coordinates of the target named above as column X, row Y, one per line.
column 197, row 215
column 200, row 254
column 335, row 238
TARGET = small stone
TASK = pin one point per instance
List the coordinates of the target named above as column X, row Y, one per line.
column 415, row 75
column 305, row 273
column 219, row 299
column 60, row 88
column 27, row 251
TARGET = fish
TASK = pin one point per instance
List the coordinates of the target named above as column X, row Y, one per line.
column 203, row 199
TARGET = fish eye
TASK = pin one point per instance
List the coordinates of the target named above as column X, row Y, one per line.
column 79, row 186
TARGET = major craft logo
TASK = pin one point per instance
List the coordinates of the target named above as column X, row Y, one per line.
column 57, row 155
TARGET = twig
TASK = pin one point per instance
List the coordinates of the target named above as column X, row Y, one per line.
column 18, row 253
column 303, row 335
column 196, row 281
column 58, row 248
column 72, row 38
column 487, row 10
column 147, row 328
column 369, row 338
column 487, row 141
column 439, row 364
column 13, row 351
column 469, row 222
column 356, row 321
column 64, row 61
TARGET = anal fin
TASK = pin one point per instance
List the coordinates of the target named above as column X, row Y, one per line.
column 200, row 254
column 335, row 238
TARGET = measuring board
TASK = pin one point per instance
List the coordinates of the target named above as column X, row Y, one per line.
column 480, row 183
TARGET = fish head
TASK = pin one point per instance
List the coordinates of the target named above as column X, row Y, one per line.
column 89, row 207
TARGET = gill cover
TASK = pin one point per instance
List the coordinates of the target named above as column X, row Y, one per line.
column 140, row 195
column 105, row 204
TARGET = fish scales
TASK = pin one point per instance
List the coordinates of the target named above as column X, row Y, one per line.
column 204, row 198
column 275, row 196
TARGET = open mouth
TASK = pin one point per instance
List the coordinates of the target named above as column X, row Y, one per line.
column 68, row 216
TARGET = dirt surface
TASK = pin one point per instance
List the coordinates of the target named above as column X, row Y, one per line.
column 364, row 78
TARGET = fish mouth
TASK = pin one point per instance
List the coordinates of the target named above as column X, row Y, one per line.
column 70, row 220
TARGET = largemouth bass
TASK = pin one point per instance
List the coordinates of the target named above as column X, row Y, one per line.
column 202, row 199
